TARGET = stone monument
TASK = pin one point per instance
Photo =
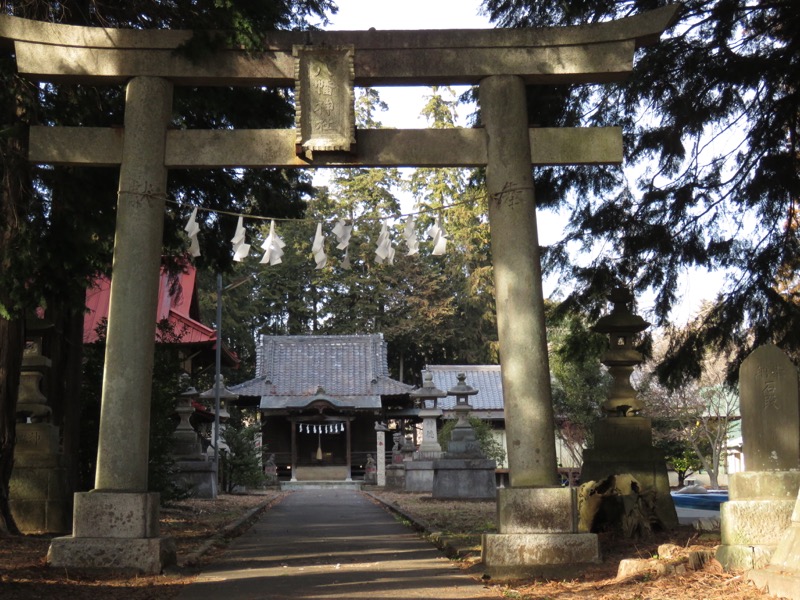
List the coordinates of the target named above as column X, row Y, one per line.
column 40, row 500
column 380, row 445
column 195, row 474
column 419, row 470
column 623, row 440
column 763, row 496
column 463, row 472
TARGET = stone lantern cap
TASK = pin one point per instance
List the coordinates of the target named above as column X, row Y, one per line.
column 191, row 392
column 224, row 392
column 621, row 319
column 428, row 391
column 462, row 391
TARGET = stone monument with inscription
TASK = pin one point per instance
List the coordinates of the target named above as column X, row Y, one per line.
column 40, row 498
column 763, row 497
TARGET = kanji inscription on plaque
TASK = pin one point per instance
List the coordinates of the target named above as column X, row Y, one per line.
column 324, row 99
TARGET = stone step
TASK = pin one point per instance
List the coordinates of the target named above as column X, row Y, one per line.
column 320, row 485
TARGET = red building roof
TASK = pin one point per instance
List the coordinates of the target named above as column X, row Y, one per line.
column 176, row 303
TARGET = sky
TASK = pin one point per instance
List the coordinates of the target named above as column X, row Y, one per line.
column 405, row 105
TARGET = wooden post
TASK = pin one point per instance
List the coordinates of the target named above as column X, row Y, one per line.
column 294, row 449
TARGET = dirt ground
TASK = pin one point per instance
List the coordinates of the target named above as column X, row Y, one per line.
column 197, row 525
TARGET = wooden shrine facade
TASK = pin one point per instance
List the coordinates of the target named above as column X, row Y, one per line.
column 320, row 398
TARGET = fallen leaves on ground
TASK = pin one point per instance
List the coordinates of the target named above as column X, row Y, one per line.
column 462, row 522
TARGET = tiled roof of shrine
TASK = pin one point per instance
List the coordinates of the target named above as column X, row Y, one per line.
column 346, row 370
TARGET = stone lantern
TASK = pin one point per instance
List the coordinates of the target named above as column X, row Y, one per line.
column 621, row 326
column 185, row 441
column 221, row 395
column 463, row 442
column 428, row 393
column 194, row 473
column 623, row 452
column 464, row 472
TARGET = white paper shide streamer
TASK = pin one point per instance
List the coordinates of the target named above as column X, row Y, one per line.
column 192, row 229
column 273, row 247
column 318, row 248
column 240, row 248
column 437, row 233
column 343, row 231
column 410, row 236
column 385, row 252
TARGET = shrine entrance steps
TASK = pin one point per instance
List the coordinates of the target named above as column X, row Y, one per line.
column 320, row 485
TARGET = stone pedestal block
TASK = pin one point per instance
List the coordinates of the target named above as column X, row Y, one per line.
column 782, row 576
column 624, row 445
column 521, row 555
column 395, row 476
column 40, row 498
column 116, row 515
column 758, row 514
column 464, row 478
column 537, row 510
column 148, row 556
column 538, row 535
column 114, row 530
column 197, row 477
column 419, row 476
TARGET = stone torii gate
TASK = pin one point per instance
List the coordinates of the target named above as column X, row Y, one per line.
column 116, row 524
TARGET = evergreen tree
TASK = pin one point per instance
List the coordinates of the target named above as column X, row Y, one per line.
column 580, row 382
column 241, row 462
column 710, row 115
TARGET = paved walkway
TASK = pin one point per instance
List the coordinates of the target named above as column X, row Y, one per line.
column 331, row 544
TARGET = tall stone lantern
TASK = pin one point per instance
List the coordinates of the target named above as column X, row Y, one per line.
column 623, row 440
column 428, row 396
column 621, row 326
column 194, row 474
column 463, row 442
column 419, row 470
column 463, row 472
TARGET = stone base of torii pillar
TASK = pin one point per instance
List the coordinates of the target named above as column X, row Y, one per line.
column 538, row 535
column 114, row 530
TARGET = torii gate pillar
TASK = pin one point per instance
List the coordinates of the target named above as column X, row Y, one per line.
column 100, row 536
column 537, row 519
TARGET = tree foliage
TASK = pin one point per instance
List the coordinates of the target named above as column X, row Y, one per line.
column 579, row 381
column 694, row 419
column 710, row 118
column 241, row 461
column 490, row 445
